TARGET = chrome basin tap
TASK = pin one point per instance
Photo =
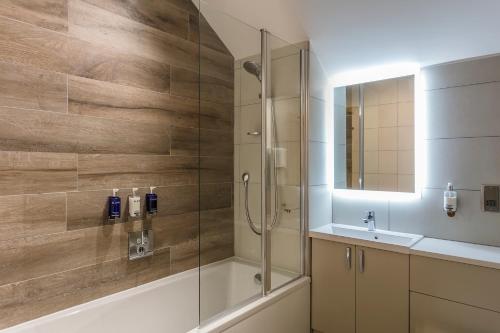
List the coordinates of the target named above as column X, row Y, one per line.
column 370, row 219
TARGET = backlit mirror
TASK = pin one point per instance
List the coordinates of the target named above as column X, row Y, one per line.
column 374, row 135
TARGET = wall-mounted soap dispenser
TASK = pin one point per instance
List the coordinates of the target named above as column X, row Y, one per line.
column 114, row 206
column 151, row 202
column 134, row 203
column 450, row 201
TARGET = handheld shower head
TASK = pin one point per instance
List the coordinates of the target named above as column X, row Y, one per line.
column 246, row 178
column 253, row 68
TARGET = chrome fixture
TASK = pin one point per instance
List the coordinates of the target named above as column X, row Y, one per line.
column 253, row 68
column 305, row 245
column 246, row 180
column 257, row 278
column 256, row 69
column 361, row 125
column 370, row 219
column 265, row 165
column 140, row 244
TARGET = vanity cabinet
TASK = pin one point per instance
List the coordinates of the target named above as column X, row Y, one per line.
column 453, row 297
column 358, row 289
column 333, row 287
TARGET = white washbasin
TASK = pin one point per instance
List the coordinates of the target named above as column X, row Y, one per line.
column 381, row 239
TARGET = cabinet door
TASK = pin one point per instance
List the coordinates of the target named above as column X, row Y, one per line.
column 333, row 287
column 436, row 315
column 382, row 291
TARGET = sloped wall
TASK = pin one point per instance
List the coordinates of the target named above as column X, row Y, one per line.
column 102, row 94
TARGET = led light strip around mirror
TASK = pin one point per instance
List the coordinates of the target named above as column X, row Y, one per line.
column 379, row 73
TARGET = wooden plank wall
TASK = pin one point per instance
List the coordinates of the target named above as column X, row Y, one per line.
column 102, row 94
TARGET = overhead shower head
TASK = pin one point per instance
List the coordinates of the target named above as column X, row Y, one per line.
column 253, row 68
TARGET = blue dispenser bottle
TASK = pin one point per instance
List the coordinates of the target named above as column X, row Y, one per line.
column 151, row 202
column 114, row 205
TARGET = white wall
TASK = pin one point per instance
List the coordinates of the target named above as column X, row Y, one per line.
column 462, row 139
column 320, row 118
column 351, row 34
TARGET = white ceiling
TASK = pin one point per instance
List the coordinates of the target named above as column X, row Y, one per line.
column 352, row 34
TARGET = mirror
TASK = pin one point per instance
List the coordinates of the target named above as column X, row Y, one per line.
column 374, row 135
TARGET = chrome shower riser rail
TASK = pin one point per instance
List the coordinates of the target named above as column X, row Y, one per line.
column 304, row 161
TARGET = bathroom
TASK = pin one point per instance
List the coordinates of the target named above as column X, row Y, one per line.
column 249, row 166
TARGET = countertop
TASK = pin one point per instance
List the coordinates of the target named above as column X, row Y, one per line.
column 467, row 253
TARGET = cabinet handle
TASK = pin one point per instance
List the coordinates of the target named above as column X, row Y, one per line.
column 348, row 258
column 361, row 261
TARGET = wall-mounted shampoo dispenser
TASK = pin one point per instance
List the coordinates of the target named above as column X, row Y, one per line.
column 151, row 202
column 450, row 201
column 114, row 206
column 134, row 203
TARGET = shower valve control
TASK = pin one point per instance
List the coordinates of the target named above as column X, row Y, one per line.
column 140, row 244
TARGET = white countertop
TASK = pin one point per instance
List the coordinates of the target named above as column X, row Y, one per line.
column 467, row 253
column 378, row 239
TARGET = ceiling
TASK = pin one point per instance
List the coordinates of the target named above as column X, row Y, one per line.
column 353, row 34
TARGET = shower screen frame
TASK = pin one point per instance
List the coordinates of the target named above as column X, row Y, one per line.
column 266, row 156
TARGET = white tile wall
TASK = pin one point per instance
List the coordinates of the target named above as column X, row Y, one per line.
column 287, row 114
column 320, row 206
column 463, row 146
column 320, row 201
column 318, row 163
column 352, row 211
column 467, row 111
column 285, row 73
column 250, row 161
column 250, row 121
column 467, row 162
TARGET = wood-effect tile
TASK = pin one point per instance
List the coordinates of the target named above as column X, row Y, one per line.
column 126, row 171
column 50, row 14
column 30, row 215
column 31, row 88
column 26, row 172
column 33, row 46
column 104, row 63
column 112, row 101
column 156, row 14
column 27, row 130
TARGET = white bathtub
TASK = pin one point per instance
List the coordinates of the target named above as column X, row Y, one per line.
column 169, row 305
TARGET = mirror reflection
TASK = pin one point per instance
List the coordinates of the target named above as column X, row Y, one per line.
column 374, row 144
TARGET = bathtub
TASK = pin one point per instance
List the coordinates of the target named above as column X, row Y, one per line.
column 171, row 304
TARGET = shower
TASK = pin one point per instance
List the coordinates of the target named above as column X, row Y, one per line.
column 255, row 69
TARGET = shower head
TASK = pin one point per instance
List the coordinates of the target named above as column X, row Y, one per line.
column 253, row 68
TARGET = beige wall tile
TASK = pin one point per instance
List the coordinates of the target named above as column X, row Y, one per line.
column 388, row 115
column 406, row 138
column 388, row 138
column 388, row 162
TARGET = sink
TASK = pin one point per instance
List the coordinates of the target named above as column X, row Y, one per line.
column 381, row 239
